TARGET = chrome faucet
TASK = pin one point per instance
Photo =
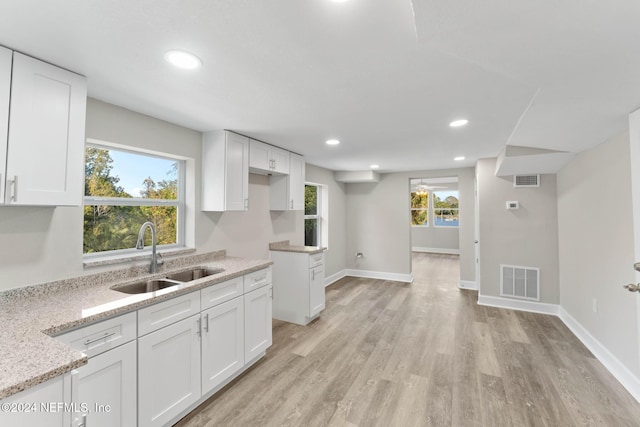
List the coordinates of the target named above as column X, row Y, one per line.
column 156, row 259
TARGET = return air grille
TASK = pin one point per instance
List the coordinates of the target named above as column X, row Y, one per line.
column 520, row 282
column 526, row 181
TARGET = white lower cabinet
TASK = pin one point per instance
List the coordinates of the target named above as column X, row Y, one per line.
column 257, row 322
column 168, row 371
column 222, row 343
column 106, row 386
column 316, row 290
column 46, row 405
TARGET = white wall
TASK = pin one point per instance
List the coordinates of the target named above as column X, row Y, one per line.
column 441, row 238
column 378, row 222
column 597, row 247
column 45, row 244
column 524, row 237
column 336, row 253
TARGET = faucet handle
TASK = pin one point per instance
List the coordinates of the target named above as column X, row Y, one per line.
column 159, row 260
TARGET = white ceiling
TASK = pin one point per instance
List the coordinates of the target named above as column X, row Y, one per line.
column 385, row 77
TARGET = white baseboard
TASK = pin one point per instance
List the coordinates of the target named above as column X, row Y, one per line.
column 532, row 306
column 613, row 365
column 436, row 250
column 624, row 376
column 467, row 284
column 334, row 278
column 380, row 275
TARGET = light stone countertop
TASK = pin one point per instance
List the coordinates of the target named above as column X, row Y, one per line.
column 284, row 246
column 31, row 316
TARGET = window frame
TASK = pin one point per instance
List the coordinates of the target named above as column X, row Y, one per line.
column 428, row 209
column 179, row 203
column 322, row 213
column 434, row 209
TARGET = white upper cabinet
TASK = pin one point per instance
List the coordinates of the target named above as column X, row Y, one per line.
column 286, row 192
column 225, row 172
column 5, row 91
column 45, row 149
column 268, row 159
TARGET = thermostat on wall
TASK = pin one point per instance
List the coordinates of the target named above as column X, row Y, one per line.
column 513, row 205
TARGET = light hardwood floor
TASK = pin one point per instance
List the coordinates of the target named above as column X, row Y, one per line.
column 391, row 354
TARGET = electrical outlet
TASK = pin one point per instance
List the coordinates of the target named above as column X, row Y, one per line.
column 595, row 305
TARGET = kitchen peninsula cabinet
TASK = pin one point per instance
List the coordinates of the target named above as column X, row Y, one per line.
column 225, row 172
column 298, row 283
column 44, row 148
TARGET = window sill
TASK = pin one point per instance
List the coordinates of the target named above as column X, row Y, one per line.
column 100, row 261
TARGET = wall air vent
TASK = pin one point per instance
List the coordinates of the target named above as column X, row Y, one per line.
column 526, row 180
column 520, row 282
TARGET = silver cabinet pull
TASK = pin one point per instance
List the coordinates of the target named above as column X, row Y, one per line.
column 632, row 288
column 291, row 203
column 246, row 204
column 14, row 188
column 84, row 421
column 206, row 322
column 103, row 337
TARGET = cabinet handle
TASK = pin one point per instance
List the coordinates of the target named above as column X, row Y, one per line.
column 199, row 331
column 291, row 203
column 258, row 279
column 14, row 188
column 84, row 421
column 246, row 204
column 206, row 322
column 103, row 337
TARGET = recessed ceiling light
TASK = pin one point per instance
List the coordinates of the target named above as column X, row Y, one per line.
column 339, row 1
column 459, row 158
column 182, row 59
column 375, row 166
column 458, row 123
column 332, row 142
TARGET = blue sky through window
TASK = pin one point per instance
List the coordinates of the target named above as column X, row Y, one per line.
column 133, row 169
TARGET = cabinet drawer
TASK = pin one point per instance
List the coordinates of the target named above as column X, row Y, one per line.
column 316, row 259
column 222, row 292
column 167, row 312
column 257, row 279
column 100, row 337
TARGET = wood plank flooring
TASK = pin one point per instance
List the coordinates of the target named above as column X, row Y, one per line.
column 424, row 354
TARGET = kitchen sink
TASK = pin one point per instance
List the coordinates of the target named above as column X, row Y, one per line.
column 147, row 286
column 171, row 280
column 196, row 273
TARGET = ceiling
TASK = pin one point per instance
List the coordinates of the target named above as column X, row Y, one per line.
column 384, row 77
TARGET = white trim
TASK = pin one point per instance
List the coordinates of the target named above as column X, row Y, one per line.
column 613, row 365
column 435, row 250
column 467, row 284
column 514, row 304
column 329, row 280
column 398, row 277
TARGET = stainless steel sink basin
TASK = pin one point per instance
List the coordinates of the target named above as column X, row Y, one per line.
column 197, row 273
column 147, row 286
column 171, row 280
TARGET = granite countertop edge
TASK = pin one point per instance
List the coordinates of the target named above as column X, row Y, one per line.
column 29, row 352
column 285, row 246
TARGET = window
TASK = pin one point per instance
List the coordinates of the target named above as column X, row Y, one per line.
column 124, row 189
column 312, row 217
column 445, row 209
column 420, row 207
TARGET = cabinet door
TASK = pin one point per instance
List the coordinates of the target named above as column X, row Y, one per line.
column 45, row 157
column 222, row 342
column 5, row 88
column 316, row 290
column 237, row 173
column 259, row 156
column 38, row 406
column 296, row 182
column 168, row 372
column 257, row 322
column 107, row 385
column 279, row 160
